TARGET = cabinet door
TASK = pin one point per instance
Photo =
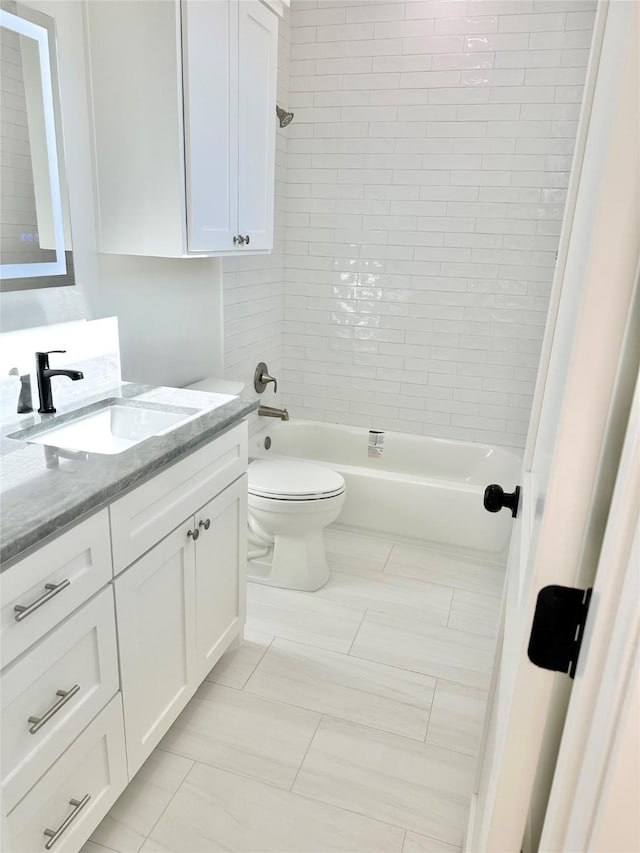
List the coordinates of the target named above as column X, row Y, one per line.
column 155, row 607
column 210, row 82
column 221, row 555
column 258, row 66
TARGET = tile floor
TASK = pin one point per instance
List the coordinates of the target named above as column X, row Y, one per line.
column 349, row 720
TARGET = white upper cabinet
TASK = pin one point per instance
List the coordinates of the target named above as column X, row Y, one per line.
column 258, row 30
column 184, row 97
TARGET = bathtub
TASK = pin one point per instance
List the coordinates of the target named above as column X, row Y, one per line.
column 411, row 487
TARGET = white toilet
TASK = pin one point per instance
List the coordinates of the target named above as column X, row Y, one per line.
column 290, row 503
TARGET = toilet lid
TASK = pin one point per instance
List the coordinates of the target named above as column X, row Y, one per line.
column 293, row 480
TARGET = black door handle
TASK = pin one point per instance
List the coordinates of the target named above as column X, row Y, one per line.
column 495, row 498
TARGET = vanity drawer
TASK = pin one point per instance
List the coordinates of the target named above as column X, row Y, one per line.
column 78, row 658
column 146, row 515
column 51, row 582
column 92, row 771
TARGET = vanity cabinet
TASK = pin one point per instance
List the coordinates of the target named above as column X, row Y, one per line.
column 93, row 677
column 184, row 96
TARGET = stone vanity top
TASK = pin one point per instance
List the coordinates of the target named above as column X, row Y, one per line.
column 42, row 491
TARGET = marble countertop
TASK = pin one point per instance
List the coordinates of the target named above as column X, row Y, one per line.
column 42, row 491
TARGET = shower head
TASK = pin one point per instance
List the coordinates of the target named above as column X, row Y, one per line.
column 283, row 117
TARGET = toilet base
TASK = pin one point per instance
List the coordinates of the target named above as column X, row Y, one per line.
column 293, row 563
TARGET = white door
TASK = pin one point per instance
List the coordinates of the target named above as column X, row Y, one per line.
column 220, row 573
column 258, row 55
column 156, row 616
column 210, row 81
column 565, row 494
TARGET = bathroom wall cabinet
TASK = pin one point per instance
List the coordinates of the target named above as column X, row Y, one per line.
column 184, row 96
column 94, row 676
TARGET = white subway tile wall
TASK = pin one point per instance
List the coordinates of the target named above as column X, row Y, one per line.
column 426, row 175
column 253, row 285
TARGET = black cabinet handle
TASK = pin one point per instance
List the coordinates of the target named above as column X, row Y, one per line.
column 495, row 498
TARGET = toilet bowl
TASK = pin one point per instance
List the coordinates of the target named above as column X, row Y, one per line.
column 290, row 504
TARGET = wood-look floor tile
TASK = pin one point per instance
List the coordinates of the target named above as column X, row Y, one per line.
column 362, row 552
column 420, row 646
column 243, row 733
column 471, row 611
column 372, row 694
column 388, row 594
column 92, row 847
column 457, row 717
column 417, row 786
column 219, row 811
column 302, row 617
column 235, row 666
column 415, row 843
column 133, row 815
column 434, row 567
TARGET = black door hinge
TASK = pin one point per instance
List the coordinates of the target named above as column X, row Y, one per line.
column 558, row 627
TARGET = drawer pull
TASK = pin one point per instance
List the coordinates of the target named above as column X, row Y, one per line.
column 54, row 834
column 65, row 695
column 53, row 589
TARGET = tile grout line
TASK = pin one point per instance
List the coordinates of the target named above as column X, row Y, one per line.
column 258, row 662
column 366, row 610
column 173, row 796
column 453, row 594
column 433, row 702
column 306, row 752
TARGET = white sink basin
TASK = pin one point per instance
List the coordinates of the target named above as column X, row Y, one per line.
column 111, row 429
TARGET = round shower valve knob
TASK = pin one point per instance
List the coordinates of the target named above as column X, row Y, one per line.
column 495, row 499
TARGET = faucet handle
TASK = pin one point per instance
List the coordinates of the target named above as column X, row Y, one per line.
column 49, row 351
column 261, row 379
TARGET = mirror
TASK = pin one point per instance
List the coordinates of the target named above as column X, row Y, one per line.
column 35, row 233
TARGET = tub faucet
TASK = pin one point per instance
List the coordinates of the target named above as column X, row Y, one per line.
column 44, row 374
column 271, row 412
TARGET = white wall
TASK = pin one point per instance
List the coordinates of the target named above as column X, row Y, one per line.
column 170, row 312
column 427, row 168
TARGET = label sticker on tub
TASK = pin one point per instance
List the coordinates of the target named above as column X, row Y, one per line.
column 376, row 443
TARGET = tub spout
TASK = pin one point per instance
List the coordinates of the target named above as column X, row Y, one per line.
column 271, row 412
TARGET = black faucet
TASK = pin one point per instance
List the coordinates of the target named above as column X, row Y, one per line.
column 44, row 374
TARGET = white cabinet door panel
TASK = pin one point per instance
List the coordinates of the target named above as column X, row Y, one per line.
column 79, row 658
column 221, row 554
column 210, row 81
column 155, row 606
column 75, row 565
column 258, row 63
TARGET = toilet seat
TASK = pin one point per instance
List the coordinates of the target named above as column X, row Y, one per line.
column 293, row 481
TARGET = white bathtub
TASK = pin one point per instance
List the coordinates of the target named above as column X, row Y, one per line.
column 425, row 489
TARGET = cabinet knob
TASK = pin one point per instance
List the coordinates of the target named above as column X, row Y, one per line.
column 495, row 498
column 193, row 533
column 206, row 523
column 239, row 240
column 247, row 240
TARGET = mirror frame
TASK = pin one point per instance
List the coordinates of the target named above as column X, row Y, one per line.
column 59, row 273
